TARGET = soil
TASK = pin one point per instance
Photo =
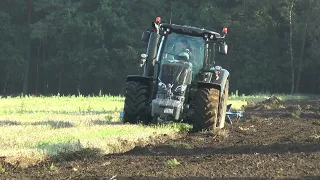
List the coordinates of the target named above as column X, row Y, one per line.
column 274, row 140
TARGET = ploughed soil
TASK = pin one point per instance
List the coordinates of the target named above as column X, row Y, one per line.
column 274, row 140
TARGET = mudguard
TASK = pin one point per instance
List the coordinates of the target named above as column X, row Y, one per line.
column 145, row 80
column 138, row 78
column 217, row 83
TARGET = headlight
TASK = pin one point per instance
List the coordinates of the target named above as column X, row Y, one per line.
column 162, row 86
column 181, row 88
column 218, row 68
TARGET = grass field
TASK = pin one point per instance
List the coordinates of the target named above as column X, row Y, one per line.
column 40, row 127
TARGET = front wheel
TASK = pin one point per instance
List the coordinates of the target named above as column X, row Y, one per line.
column 135, row 106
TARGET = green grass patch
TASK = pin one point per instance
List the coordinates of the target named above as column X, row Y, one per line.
column 172, row 162
column 263, row 96
column 2, row 168
column 61, row 105
column 240, row 101
column 43, row 127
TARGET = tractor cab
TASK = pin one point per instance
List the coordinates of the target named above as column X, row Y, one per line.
column 186, row 43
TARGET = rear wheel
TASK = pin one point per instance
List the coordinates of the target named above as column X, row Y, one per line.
column 210, row 110
column 135, row 107
column 223, row 106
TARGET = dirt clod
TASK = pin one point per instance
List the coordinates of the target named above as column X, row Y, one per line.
column 270, row 103
column 294, row 107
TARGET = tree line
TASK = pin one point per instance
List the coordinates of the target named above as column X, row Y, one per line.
column 88, row 47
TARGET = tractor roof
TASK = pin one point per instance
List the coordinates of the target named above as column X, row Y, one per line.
column 183, row 29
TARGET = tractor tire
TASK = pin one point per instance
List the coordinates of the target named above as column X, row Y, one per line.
column 223, row 106
column 210, row 110
column 135, row 106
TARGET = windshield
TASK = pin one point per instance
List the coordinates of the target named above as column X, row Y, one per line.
column 185, row 48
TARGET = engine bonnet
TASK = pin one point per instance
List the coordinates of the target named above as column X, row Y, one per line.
column 174, row 77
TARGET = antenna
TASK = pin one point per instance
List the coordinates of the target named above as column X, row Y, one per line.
column 171, row 17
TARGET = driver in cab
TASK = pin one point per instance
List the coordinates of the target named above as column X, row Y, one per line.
column 183, row 50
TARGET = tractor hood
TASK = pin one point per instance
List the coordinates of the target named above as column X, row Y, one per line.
column 174, row 77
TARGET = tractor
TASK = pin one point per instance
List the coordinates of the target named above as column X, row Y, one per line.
column 179, row 80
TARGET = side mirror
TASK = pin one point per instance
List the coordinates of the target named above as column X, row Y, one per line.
column 223, row 48
column 145, row 36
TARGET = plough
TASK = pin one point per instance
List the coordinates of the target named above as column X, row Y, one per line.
column 237, row 114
